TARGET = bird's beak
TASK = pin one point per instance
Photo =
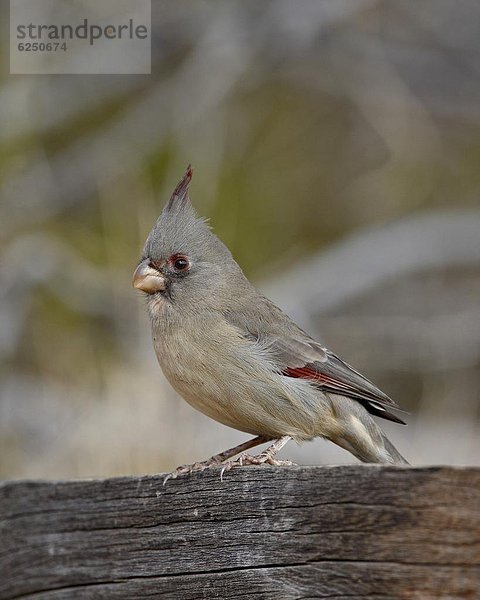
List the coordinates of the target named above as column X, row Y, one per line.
column 148, row 279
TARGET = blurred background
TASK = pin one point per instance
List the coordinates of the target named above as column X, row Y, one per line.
column 336, row 151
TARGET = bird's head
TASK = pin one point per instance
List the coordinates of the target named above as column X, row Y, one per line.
column 183, row 262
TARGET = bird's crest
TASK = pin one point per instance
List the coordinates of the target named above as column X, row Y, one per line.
column 179, row 230
column 179, row 199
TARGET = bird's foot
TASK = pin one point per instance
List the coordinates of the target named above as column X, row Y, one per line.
column 197, row 467
column 221, row 460
column 264, row 458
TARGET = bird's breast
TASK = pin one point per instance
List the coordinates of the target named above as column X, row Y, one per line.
column 210, row 365
column 196, row 358
column 232, row 379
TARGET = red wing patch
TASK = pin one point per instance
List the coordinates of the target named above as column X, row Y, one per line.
column 336, row 386
column 314, row 375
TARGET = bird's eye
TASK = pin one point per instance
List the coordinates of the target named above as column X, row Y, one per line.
column 180, row 263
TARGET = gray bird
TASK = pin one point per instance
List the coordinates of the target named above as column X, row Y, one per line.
column 236, row 357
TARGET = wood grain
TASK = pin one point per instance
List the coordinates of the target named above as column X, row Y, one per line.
column 292, row 533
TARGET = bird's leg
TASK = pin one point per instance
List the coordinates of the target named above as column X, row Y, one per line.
column 265, row 457
column 217, row 459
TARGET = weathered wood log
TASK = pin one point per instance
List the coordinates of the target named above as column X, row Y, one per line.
column 309, row 532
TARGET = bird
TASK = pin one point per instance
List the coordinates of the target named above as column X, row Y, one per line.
column 234, row 355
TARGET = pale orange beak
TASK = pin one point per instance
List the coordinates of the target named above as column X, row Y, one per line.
column 147, row 279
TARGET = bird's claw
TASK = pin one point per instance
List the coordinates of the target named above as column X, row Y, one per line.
column 188, row 469
column 265, row 458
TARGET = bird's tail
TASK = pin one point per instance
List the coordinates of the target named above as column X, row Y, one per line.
column 394, row 454
column 371, row 452
column 359, row 434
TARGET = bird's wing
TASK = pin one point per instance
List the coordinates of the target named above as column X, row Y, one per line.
column 298, row 355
